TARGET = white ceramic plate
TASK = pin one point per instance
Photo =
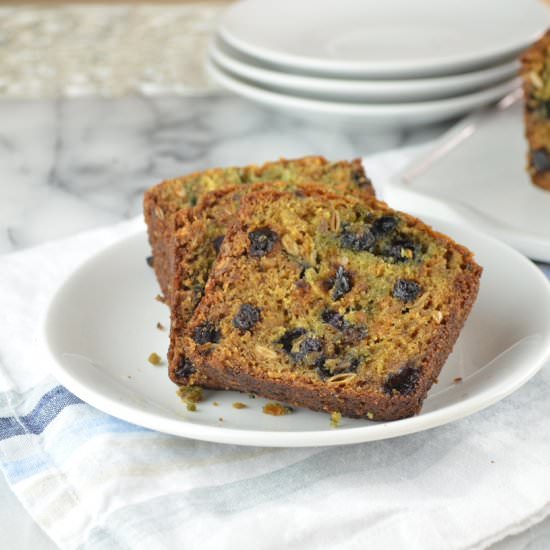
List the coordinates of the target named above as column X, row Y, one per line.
column 393, row 38
column 383, row 91
column 478, row 170
column 101, row 327
column 361, row 116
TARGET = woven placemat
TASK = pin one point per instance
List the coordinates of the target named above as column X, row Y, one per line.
column 106, row 50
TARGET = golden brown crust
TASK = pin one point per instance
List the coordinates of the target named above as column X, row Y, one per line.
column 229, row 369
column 535, row 73
column 164, row 200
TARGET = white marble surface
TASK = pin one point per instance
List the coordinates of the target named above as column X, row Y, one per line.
column 67, row 165
column 73, row 164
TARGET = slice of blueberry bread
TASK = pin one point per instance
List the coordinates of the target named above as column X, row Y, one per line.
column 536, row 90
column 162, row 201
column 199, row 232
column 330, row 303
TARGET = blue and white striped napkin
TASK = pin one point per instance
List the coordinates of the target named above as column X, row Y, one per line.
column 92, row 481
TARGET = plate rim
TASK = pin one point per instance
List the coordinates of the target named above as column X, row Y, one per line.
column 378, row 111
column 305, row 438
column 421, row 88
column 372, row 68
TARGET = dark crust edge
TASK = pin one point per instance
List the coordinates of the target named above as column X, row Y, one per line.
column 158, row 231
column 161, row 230
column 529, row 60
column 330, row 398
column 360, row 177
column 183, row 221
column 540, row 179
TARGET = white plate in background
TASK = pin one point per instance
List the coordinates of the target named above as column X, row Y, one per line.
column 361, row 116
column 477, row 170
column 383, row 91
column 388, row 39
column 101, row 327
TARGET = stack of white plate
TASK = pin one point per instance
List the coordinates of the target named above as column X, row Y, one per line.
column 368, row 63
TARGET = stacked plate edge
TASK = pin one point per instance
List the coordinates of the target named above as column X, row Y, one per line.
column 364, row 64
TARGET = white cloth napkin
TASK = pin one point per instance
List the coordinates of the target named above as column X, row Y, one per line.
column 95, row 482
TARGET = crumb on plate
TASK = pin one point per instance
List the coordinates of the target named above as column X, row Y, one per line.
column 155, row 359
column 190, row 395
column 335, row 419
column 276, row 409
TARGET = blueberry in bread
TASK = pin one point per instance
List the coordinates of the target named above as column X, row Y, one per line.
column 330, row 302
